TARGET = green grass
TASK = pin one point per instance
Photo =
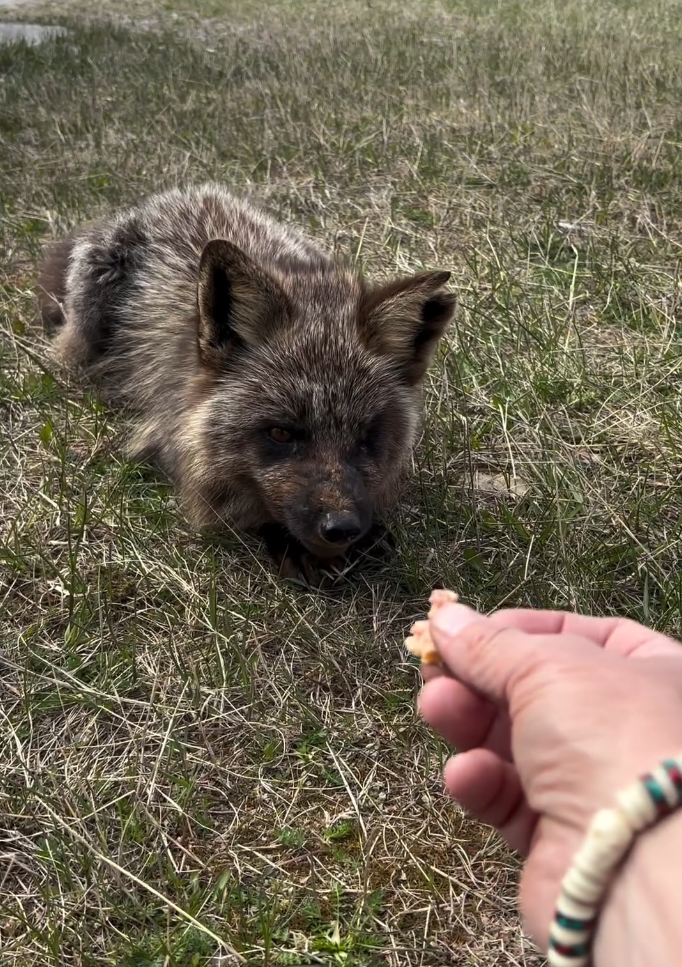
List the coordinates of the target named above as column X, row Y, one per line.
column 194, row 756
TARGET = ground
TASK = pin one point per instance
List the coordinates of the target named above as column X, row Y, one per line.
column 196, row 758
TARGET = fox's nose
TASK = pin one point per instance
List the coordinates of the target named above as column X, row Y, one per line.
column 340, row 528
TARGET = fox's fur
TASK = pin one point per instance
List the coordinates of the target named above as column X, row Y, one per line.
column 272, row 384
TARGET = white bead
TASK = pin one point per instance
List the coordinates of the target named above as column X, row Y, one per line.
column 610, row 825
column 577, row 884
column 571, row 907
column 555, row 959
column 637, row 805
column 608, row 839
column 584, row 861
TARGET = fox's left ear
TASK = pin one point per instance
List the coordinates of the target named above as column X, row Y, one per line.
column 406, row 318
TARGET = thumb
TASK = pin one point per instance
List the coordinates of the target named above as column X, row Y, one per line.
column 489, row 658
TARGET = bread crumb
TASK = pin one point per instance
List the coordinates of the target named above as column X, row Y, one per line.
column 419, row 642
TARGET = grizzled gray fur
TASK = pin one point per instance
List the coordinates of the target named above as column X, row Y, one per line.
column 274, row 386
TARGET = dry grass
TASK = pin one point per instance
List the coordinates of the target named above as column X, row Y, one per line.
column 195, row 757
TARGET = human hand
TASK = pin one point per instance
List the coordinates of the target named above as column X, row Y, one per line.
column 552, row 714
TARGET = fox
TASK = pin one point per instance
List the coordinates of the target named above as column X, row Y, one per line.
column 275, row 386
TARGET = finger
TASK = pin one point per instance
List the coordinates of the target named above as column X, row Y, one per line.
column 429, row 672
column 490, row 789
column 614, row 634
column 487, row 657
column 464, row 719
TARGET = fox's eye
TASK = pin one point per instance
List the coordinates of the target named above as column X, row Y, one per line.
column 280, row 435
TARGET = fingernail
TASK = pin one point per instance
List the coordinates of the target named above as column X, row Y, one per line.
column 451, row 619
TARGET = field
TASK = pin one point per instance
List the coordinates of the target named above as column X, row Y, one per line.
column 202, row 764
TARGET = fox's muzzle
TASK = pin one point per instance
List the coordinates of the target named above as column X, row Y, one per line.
column 331, row 515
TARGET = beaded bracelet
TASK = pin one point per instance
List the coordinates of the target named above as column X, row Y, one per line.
column 609, row 837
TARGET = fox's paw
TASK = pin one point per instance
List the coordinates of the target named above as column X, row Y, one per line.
column 305, row 569
column 378, row 544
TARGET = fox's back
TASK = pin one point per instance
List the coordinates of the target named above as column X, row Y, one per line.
column 127, row 288
column 177, row 225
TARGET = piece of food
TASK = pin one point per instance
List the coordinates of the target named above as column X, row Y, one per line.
column 439, row 598
column 419, row 642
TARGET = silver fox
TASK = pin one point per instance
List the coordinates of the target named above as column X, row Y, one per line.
column 277, row 388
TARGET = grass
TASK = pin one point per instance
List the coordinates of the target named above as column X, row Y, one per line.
column 194, row 757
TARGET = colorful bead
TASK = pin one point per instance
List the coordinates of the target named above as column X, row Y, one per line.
column 572, row 923
column 576, row 950
column 657, row 795
column 667, row 786
column 674, row 774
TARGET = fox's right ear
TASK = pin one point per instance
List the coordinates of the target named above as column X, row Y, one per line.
column 238, row 302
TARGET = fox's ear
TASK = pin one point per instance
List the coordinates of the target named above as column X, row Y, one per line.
column 406, row 318
column 238, row 302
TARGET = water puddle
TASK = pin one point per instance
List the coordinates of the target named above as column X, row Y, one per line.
column 29, row 33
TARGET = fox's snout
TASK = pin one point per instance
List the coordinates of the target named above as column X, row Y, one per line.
column 328, row 515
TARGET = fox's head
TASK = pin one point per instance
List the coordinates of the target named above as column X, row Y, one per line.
column 312, row 406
